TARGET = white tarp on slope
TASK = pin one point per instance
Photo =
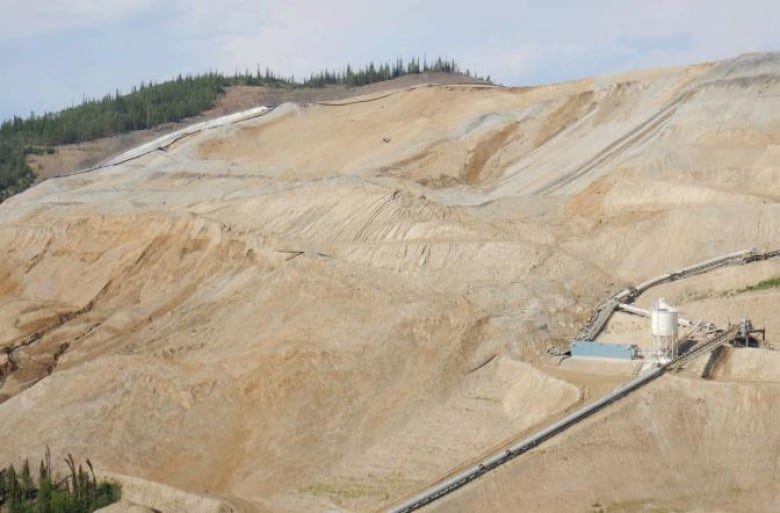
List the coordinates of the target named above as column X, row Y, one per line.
column 168, row 139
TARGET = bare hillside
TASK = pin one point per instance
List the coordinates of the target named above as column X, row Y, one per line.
column 72, row 157
column 332, row 305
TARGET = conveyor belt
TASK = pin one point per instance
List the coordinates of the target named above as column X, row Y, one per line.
column 589, row 332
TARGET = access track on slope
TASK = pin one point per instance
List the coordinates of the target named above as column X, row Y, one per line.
column 716, row 338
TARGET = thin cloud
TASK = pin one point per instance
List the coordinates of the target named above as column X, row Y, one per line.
column 76, row 47
column 31, row 18
column 664, row 43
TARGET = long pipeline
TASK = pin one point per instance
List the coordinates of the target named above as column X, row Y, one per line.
column 604, row 310
column 474, row 471
column 499, row 458
column 738, row 257
column 162, row 143
column 642, row 312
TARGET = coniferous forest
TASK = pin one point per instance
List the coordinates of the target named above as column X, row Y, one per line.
column 153, row 104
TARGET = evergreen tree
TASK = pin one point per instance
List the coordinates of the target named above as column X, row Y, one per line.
column 151, row 104
column 80, row 492
column 13, row 495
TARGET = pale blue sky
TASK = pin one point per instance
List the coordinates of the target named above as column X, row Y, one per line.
column 53, row 52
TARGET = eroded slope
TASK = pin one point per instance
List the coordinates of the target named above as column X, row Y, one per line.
column 331, row 306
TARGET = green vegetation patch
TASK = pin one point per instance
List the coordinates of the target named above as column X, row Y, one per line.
column 370, row 486
column 771, row 283
column 15, row 174
column 689, row 297
column 631, row 506
column 347, row 490
column 77, row 492
column 150, row 105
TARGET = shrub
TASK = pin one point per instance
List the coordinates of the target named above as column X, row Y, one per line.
column 78, row 492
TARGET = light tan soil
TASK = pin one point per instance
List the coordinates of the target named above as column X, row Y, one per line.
column 72, row 157
column 329, row 307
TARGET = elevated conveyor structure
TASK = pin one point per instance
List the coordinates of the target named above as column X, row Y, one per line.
column 710, row 344
column 687, row 323
column 497, row 459
column 597, row 322
column 604, row 311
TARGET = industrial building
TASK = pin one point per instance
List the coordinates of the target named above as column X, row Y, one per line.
column 664, row 321
column 590, row 349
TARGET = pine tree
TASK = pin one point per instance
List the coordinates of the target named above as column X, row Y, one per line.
column 150, row 104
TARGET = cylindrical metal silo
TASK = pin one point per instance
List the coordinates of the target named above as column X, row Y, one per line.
column 663, row 329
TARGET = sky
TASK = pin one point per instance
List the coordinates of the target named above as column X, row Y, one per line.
column 53, row 53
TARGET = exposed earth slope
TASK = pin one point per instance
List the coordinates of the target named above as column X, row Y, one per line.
column 72, row 157
column 333, row 305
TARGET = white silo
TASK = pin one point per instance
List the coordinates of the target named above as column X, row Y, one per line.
column 663, row 328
